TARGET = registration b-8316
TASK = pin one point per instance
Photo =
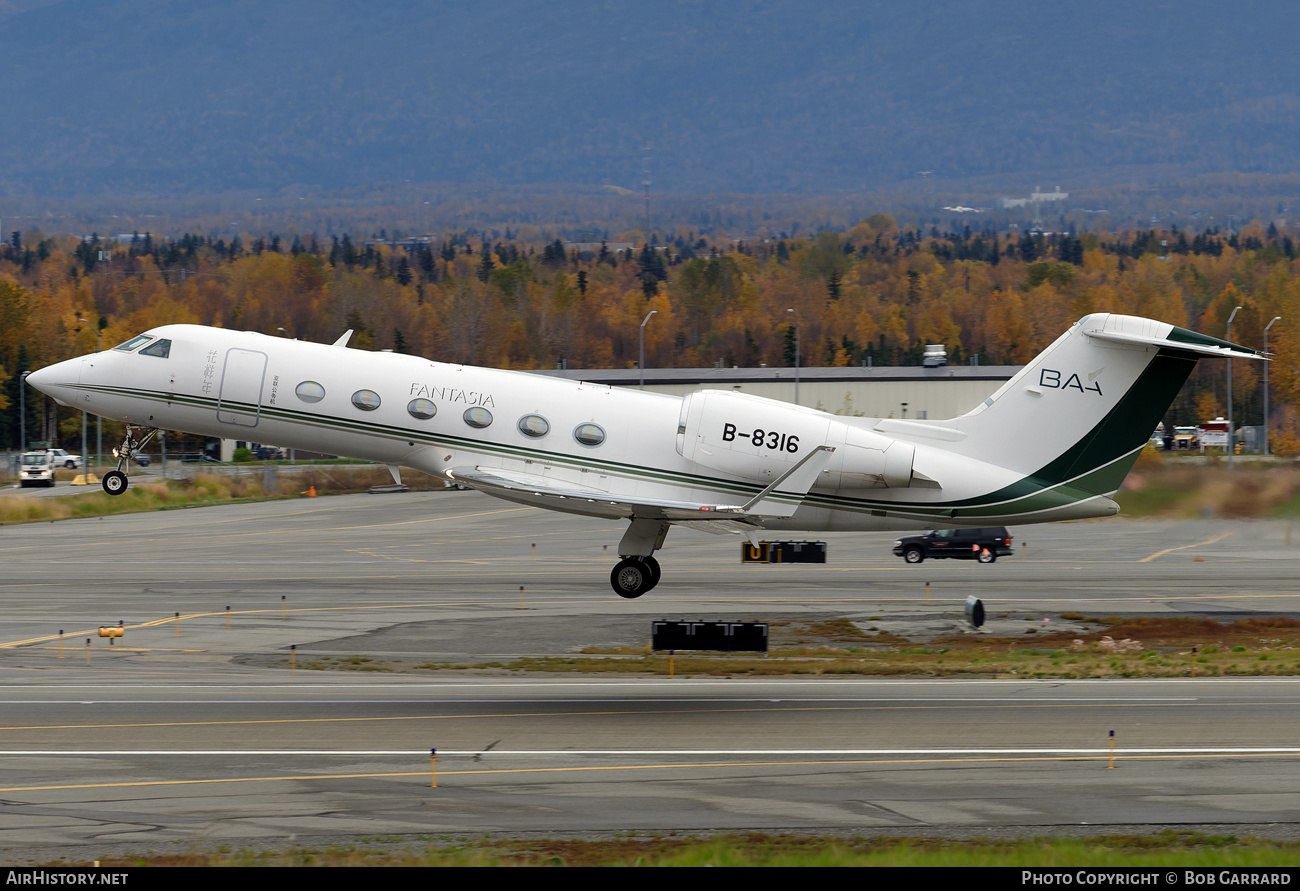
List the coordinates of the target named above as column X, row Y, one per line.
column 777, row 442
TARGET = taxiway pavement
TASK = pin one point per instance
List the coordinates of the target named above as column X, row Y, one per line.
column 178, row 738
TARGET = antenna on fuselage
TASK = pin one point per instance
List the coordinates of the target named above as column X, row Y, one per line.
column 343, row 341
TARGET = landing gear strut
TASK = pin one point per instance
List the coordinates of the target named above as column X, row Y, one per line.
column 115, row 481
column 638, row 571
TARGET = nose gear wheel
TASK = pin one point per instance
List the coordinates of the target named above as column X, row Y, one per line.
column 136, row 438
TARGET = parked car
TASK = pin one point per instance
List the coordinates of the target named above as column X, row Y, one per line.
column 63, row 459
column 985, row 545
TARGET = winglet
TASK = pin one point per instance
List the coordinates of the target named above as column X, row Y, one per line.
column 343, row 341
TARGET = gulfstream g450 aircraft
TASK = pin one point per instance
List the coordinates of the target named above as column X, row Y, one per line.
column 1054, row 443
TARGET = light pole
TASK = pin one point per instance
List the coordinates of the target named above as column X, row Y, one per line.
column 22, row 413
column 640, row 365
column 1232, row 437
column 797, row 326
column 1266, row 327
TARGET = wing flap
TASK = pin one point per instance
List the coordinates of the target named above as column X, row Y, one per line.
column 779, row 499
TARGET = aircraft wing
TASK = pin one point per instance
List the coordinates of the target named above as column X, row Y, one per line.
column 779, row 499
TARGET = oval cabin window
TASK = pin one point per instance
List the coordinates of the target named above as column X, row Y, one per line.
column 478, row 417
column 589, row 434
column 366, row 400
column 421, row 408
column 534, row 426
column 310, row 391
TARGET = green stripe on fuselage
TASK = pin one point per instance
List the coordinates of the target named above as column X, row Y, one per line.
column 1095, row 465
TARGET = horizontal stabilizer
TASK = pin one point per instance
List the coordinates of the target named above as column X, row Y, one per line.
column 1130, row 331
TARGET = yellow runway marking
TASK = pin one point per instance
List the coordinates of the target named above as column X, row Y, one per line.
column 614, row 767
column 122, row 648
column 605, row 713
column 497, row 599
column 282, row 533
column 1185, row 547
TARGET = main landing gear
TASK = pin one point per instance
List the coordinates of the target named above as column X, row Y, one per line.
column 115, row 481
column 638, row 571
column 633, row 576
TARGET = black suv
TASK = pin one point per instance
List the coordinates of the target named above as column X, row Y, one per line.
column 984, row 545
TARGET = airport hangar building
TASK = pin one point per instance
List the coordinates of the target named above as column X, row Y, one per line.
column 881, row 392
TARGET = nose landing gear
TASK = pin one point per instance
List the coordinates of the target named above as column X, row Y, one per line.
column 115, row 481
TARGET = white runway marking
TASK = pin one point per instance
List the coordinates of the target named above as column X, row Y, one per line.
column 660, row 753
column 605, row 701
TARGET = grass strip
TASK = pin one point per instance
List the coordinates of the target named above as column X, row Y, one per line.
column 1168, row 848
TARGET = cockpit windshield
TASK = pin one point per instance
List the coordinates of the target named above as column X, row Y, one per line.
column 134, row 343
column 162, row 349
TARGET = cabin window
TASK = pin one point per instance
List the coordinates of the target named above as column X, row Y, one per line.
column 162, row 349
column 133, row 343
column 589, row 434
column 366, row 400
column 421, row 408
column 478, row 416
column 310, row 391
column 535, row 426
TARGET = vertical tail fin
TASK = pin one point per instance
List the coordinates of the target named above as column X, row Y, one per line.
column 1089, row 402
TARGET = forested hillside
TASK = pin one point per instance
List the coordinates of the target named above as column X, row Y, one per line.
column 736, row 95
column 874, row 293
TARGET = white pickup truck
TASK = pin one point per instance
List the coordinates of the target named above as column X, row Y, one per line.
column 63, row 459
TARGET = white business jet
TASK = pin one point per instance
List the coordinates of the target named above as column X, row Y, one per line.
column 1053, row 443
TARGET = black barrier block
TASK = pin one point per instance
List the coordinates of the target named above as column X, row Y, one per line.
column 748, row 637
column 797, row 552
column 727, row 637
column 783, row 552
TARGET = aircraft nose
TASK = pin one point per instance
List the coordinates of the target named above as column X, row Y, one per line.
column 57, row 380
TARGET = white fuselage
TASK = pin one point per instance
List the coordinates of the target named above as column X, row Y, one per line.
column 249, row 386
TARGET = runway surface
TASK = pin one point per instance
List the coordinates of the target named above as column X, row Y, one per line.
column 180, row 737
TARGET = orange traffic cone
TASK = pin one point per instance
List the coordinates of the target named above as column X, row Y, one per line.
column 311, row 492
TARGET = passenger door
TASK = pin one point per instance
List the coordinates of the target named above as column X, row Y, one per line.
column 239, row 400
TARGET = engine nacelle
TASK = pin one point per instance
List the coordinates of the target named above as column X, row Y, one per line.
column 865, row 459
column 760, row 439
